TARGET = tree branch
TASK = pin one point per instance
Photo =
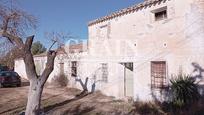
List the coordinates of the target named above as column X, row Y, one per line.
column 5, row 24
column 28, row 43
column 28, row 59
column 49, row 66
column 52, row 45
column 13, row 39
column 6, row 34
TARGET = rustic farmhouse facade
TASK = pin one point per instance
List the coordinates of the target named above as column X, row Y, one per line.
column 136, row 51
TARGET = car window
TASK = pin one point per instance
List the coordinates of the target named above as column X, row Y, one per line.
column 3, row 74
column 14, row 74
column 8, row 74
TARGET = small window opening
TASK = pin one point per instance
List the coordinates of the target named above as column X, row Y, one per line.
column 74, row 69
column 160, row 15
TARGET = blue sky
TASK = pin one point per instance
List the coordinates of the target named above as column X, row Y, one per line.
column 69, row 16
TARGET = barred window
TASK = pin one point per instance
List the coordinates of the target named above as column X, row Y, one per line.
column 74, row 69
column 158, row 74
column 104, row 72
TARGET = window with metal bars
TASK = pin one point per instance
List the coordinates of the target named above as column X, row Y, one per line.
column 158, row 74
column 104, row 72
column 74, row 69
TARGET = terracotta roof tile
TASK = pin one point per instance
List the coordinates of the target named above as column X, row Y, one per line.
column 124, row 11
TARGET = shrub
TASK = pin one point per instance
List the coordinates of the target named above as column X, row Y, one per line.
column 60, row 80
column 184, row 90
column 148, row 108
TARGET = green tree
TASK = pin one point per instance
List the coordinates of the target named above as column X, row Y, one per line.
column 37, row 48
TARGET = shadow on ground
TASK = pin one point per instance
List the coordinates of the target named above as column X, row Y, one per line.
column 77, row 97
column 78, row 111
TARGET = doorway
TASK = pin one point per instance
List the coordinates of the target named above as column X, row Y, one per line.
column 128, row 79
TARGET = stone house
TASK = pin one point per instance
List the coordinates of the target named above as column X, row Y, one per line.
column 135, row 51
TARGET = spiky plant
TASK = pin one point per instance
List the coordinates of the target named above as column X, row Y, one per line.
column 184, row 90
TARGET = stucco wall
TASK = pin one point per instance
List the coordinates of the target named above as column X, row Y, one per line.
column 20, row 68
column 178, row 40
column 92, row 70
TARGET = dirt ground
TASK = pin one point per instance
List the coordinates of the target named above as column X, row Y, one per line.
column 62, row 101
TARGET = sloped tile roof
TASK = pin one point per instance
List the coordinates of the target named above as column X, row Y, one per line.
column 125, row 11
column 72, row 49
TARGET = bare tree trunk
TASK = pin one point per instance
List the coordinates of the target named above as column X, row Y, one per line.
column 35, row 94
column 36, row 82
column 34, row 98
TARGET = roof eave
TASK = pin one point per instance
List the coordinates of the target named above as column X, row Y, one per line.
column 124, row 11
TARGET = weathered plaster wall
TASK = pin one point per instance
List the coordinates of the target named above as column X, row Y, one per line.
column 92, row 70
column 178, row 40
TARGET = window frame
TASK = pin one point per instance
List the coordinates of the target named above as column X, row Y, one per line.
column 104, row 70
column 160, row 10
column 160, row 15
column 158, row 82
column 74, row 68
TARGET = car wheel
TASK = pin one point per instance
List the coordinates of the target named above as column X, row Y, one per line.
column 1, row 85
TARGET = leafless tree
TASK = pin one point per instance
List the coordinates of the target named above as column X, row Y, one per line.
column 8, row 58
column 13, row 26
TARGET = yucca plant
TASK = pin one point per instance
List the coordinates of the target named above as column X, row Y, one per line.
column 184, row 90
